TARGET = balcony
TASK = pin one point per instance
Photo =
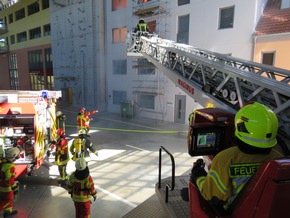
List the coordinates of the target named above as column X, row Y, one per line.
column 147, row 8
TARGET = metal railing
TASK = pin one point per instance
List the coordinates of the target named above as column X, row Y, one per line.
column 172, row 172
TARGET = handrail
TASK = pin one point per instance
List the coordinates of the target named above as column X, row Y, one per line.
column 172, row 172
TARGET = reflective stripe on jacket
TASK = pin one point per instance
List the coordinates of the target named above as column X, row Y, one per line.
column 81, row 190
column 229, row 172
column 62, row 155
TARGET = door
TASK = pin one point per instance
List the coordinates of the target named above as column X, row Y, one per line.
column 179, row 110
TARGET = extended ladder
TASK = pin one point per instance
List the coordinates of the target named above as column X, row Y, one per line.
column 218, row 80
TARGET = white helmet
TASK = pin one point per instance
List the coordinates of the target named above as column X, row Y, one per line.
column 82, row 132
column 81, row 164
column 58, row 113
column 12, row 153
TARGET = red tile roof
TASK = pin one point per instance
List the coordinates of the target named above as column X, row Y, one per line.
column 274, row 20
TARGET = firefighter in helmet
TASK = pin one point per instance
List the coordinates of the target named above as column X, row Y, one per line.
column 7, row 181
column 142, row 26
column 81, row 188
column 83, row 119
column 256, row 128
column 61, row 155
column 81, row 146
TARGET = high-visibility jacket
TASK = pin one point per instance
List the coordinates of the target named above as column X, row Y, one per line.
column 83, row 119
column 81, row 190
column 142, row 27
column 79, row 148
column 7, row 176
column 229, row 172
column 62, row 153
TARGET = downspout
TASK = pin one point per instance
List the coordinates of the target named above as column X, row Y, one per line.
column 254, row 48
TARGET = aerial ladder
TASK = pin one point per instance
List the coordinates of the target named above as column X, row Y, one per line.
column 214, row 80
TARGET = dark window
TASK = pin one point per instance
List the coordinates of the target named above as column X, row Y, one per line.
column 13, row 72
column 35, row 33
column 21, row 37
column 268, row 58
column 46, row 30
column 35, row 66
column 10, row 18
column 20, row 14
column 147, row 101
column 183, row 29
column 12, row 39
column 33, row 8
column 120, row 66
column 183, row 2
column 45, row 4
column 227, row 17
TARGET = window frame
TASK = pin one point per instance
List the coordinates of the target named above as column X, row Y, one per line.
column 226, row 23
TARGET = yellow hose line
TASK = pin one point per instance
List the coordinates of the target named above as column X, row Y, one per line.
column 135, row 130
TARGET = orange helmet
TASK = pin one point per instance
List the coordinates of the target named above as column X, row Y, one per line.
column 61, row 133
column 82, row 110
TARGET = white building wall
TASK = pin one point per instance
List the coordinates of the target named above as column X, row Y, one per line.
column 79, row 43
column 204, row 25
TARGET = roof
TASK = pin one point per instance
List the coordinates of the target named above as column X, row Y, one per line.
column 274, row 20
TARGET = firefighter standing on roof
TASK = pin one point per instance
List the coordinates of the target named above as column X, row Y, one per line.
column 7, row 182
column 81, row 146
column 61, row 155
column 81, row 188
column 83, row 119
column 256, row 128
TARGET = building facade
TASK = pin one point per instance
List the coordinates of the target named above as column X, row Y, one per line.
column 25, row 53
column 88, row 47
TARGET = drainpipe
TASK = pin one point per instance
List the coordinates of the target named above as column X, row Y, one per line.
column 254, row 49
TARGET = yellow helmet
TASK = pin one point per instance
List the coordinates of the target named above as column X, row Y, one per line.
column 256, row 125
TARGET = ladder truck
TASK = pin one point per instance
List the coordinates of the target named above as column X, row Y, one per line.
column 29, row 122
column 225, row 84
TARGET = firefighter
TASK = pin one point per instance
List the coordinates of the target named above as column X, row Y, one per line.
column 83, row 119
column 256, row 128
column 81, row 146
column 7, row 182
column 141, row 27
column 81, row 188
column 61, row 156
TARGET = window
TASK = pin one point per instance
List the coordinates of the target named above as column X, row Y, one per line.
column 49, row 69
column 147, row 101
column 183, row 29
column 45, row 4
column 183, row 2
column 46, row 30
column 13, row 72
column 227, row 17
column 145, row 67
column 21, row 37
column 33, row 8
column 116, row 4
column 35, row 33
column 12, row 39
column 20, row 14
column 285, row 4
column 119, row 35
column 120, row 67
column 268, row 58
column 35, row 66
column 10, row 18
column 119, row 96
